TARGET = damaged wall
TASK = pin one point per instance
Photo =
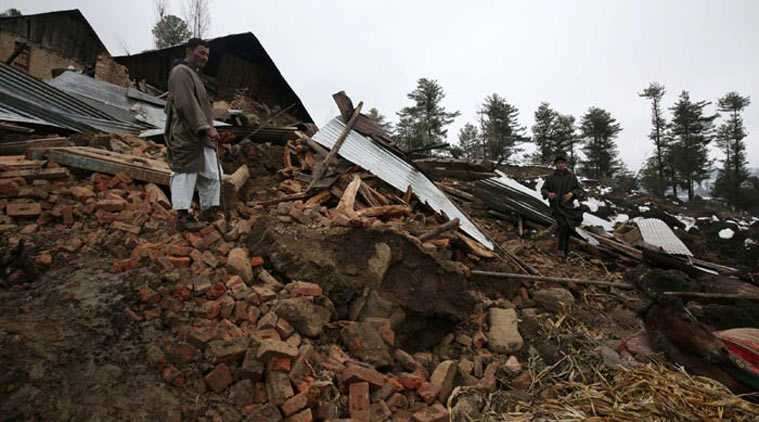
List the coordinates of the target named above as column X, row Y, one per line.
column 56, row 40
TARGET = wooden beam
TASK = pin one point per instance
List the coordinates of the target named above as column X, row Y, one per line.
column 291, row 197
column 20, row 147
column 34, row 174
column 108, row 165
column 385, row 210
column 437, row 231
column 339, row 143
column 552, row 279
column 476, row 247
column 455, row 192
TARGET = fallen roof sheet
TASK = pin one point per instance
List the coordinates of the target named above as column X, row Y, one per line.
column 24, row 99
column 396, row 172
column 656, row 232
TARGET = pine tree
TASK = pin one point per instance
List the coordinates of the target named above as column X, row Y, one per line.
column 170, row 31
column 565, row 138
column 423, row 123
column 730, row 138
column 543, row 133
column 598, row 130
column 692, row 131
column 655, row 92
column 470, row 142
column 499, row 128
column 381, row 121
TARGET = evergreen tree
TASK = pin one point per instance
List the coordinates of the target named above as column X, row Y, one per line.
column 423, row 123
column 378, row 117
column 10, row 12
column 598, row 130
column 655, row 92
column 565, row 138
column 692, row 131
column 543, row 133
column 169, row 31
column 470, row 142
column 499, row 128
column 730, row 138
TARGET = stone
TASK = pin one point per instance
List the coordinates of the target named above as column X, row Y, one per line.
column 444, row 378
column 554, row 299
column 397, row 401
column 468, row 407
column 305, row 316
column 271, row 348
column 252, row 368
column 238, row 263
column 222, row 351
column 406, row 360
column 365, row 343
column 218, row 379
column 378, row 264
column 278, row 387
column 434, row 413
column 302, row 288
column 358, row 401
column 376, row 306
column 503, row 335
column 242, row 393
column 512, row 365
column 294, row 404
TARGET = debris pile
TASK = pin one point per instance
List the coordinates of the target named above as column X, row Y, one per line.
column 342, row 283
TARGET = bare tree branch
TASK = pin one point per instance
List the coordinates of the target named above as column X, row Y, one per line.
column 198, row 16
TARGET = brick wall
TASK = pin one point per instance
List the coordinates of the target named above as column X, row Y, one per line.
column 41, row 60
column 106, row 69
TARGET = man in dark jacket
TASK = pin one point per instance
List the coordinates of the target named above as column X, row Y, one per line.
column 562, row 188
column 190, row 139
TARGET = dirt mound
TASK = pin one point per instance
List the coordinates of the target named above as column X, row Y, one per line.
column 68, row 351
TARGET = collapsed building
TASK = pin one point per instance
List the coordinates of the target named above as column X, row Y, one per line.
column 347, row 280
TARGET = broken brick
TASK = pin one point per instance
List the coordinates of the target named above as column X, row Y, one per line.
column 148, row 295
column 301, row 288
column 278, row 388
column 181, row 352
column 270, row 348
column 355, row 373
column 110, row 205
column 358, row 401
column 434, row 413
column 172, row 376
column 304, row 416
column 180, row 261
column 278, row 363
column 23, row 210
column 294, row 404
column 256, row 261
column 218, row 379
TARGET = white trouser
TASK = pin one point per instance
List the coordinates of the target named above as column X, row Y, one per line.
column 208, row 181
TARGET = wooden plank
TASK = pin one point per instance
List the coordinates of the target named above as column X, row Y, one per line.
column 553, row 279
column 476, row 247
column 34, row 174
column 97, row 164
column 20, row 147
column 385, row 210
column 348, row 201
column 15, row 128
column 121, row 158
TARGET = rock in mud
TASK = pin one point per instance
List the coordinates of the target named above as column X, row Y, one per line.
column 305, row 316
column 554, row 299
column 503, row 336
column 238, row 263
column 365, row 343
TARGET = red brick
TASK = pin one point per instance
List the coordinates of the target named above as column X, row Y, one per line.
column 278, row 388
column 179, row 250
column 129, row 228
column 172, row 376
column 284, row 329
column 154, row 313
column 212, row 237
column 133, row 315
column 304, row 416
column 182, row 292
column 118, row 266
column 180, row 261
column 148, row 295
column 256, row 261
column 218, row 379
column 210, row 259
column 216, row 290
column 358, row 401
column 181, row 352
column 384, row 328
column 269, row 334
column 23, row 210
column 199, row 337
column 410, row 381
column 279, row 364
column 260, row 395
column 294, row 404
column 428, row 392
column 110, row 205
column 301, row 288
column 68, row 215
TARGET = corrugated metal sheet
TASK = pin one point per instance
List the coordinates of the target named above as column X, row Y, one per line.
column 396, row 172
column 656, row 232
column 23, row 98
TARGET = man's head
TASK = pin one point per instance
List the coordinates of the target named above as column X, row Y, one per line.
column 197, row 52
column 560, row 162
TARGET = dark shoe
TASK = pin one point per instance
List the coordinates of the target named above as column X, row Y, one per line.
column 186, row 222
column 210, row 214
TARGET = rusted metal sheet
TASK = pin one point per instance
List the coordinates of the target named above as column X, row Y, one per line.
column 657, row 233
column 390, row 168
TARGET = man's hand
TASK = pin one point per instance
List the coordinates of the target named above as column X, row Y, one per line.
column 551, row 195
column 567, row 197
column 213, row 134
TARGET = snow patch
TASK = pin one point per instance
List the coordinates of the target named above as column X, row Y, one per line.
column 715, row 219
column 593, row 204
column 689, row 222
column 749, row 242
column 726, row 234
column 603, row 190
column 642, row 208
column 621, row 218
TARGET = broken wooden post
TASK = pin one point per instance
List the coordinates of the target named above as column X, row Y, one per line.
column 311, row 143
column 234, row 183
column 451, row 225
column 553, row 279
column 385, row 210
column 348, row 200
column 320, row 169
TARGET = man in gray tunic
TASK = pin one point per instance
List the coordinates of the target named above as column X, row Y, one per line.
column 190, row 140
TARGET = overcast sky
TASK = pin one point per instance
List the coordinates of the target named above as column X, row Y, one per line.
column 573, row 54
